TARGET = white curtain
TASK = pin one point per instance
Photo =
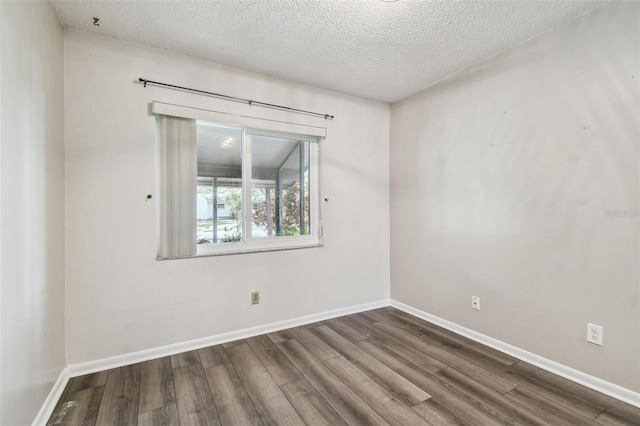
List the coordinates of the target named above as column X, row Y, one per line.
column 177, row 159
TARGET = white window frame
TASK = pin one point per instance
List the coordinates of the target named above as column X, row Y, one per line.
column 260, row 127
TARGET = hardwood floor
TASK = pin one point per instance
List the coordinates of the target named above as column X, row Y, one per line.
column 381, row 367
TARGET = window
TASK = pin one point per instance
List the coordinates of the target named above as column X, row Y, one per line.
column 230, row 189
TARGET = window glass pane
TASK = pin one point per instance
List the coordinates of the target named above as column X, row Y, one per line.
column 279, row 187
column 219, row 197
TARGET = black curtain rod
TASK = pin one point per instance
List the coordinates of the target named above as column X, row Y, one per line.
column 233, row 98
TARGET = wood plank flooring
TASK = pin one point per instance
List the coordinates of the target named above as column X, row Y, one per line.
column 381, row 367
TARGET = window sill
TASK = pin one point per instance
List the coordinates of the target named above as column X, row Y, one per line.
column 251, row 250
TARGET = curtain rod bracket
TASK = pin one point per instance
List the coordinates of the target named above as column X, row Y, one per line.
column 249, row 102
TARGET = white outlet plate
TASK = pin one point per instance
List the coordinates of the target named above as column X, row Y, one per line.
column 475, row 303
column 595, row 334
column 255, row 297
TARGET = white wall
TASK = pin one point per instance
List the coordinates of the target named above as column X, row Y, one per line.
column 119, row 298
column 32, row 208
column 501, row 179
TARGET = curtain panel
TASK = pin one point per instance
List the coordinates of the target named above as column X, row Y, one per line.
column 177, row 178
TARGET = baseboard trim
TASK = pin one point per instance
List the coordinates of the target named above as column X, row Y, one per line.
column 80, row 369
column 52, row 399
column 592, row 382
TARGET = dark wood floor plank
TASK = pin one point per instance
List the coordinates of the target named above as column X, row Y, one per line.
column 81, row 407
column 193, row 397
column 163, row 416
column 272, row 405
column 64, row 405
column 555, row 393
column 609, row 418
column 466, row 408
column 396, row 384
column 382, row 401
column 597, row 399
column 375, row 315
column 91, row 416
column 472, row 370
column 60, row 405
column 452, row 348
column 313, row 343
column 230, row 396
column 274, row 360
column 349, row 405
column 280, row 336
column 436, row 413
column 447, row 335
column 87, row 381
column 213, row 356
column 184, row 358
column 345, row 330
column 299, row 355
column 120, row 399
column 312, row 407
column 156, row 384
column 402, row 349
column 502, row 409
column 549, row 409
column 230, row 345
column 314, row 324
column 357, row 322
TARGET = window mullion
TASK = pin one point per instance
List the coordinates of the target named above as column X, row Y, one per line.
column 301, row 149
column 247, row 199
column 215, row 209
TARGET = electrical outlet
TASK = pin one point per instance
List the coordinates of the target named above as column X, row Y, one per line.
column 255, row 297
column 475, row 303
column 595, row 334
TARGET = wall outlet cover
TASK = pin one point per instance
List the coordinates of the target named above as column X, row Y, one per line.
column 595, row 334
column 475, row 303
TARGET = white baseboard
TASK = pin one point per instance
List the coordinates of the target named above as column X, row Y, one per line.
column 52, row 399
column 147, row 354
column 592, row 382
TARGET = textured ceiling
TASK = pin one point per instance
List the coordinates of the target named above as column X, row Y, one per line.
column 368, row 48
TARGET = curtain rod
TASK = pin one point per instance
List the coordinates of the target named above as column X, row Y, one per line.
column 235, row 99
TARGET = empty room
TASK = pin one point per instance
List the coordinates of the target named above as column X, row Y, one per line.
column 319, row 212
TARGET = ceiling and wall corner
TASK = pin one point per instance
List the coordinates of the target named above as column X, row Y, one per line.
column 376, row 50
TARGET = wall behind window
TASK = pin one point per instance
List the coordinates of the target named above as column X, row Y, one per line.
column 32, row 214
column 501, row 183
column 119, row 298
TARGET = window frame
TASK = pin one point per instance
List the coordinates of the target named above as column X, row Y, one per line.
column 289, row 126
column 249, row 244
